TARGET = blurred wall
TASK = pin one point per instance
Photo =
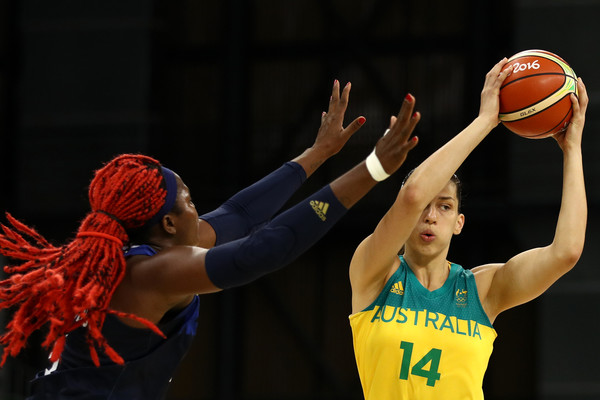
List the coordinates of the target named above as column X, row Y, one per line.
column 224, row 92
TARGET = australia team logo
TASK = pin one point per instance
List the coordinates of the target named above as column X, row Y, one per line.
column 461, row 298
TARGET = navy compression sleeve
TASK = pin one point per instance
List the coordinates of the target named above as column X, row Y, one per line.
column 276, row 244
column 256, row 204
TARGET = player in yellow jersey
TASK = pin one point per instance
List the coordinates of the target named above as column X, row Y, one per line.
column 422, row 326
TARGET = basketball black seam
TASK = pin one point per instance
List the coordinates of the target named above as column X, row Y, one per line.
column 532, row 75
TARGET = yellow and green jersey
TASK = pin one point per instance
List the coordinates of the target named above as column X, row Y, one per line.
column 415, row 344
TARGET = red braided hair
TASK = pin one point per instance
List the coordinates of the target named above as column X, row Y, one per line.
column 71, row 286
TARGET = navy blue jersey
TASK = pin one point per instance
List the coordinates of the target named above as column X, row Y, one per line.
column 150, row 360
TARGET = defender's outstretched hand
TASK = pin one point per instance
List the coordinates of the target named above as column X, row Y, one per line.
column 389, row 154
column 395, row 144
column 332, row 136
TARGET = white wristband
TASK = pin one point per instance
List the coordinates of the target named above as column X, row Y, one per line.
column 375, row 168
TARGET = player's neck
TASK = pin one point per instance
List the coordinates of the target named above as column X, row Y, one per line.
column 431, row 272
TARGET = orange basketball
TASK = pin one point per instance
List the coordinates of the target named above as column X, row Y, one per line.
column 535, row 99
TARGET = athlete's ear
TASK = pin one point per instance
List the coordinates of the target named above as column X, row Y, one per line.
column 168, row 224
column 460, row 222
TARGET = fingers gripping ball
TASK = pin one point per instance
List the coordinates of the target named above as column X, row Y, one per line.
column 535, row 99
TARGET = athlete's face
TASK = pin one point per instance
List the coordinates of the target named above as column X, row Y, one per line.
column 439, row 221
column 185, row 217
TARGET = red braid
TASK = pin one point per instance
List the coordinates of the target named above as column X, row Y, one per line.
column 71, row 286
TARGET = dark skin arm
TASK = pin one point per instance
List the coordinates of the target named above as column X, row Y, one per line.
column 331, row 138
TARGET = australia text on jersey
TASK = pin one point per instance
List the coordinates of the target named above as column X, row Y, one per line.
column 427, row 319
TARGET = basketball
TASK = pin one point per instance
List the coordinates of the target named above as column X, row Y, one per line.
column 535, row 99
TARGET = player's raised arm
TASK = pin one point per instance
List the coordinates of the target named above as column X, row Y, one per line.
column 529, row 274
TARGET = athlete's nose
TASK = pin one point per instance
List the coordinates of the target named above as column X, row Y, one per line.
column 430, row 215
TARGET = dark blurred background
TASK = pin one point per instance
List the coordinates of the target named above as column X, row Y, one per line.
column 223, row 92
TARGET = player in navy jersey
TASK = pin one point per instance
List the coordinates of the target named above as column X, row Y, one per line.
column 120, row 322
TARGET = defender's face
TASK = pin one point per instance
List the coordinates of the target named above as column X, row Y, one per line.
column 185, row 217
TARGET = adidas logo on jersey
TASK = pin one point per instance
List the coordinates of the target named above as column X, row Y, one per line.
column 397, row 288
column 320, row 208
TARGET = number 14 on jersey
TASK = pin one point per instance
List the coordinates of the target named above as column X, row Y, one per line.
column 432, row 357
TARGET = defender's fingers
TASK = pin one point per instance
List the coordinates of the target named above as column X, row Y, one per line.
column 345, row 96
column 407, row 108
column 337, row 104
column 414, row 120
column 404, row 131
column 353, row 127
column 335, row 95
column 392, row 121
column 411, row 144
column 412, row 124
column 335, row 90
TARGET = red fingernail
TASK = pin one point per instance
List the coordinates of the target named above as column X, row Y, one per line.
column 409, row 98
column 361, row 120
column 414, row 139
column 335, row 82
column 416, row 114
